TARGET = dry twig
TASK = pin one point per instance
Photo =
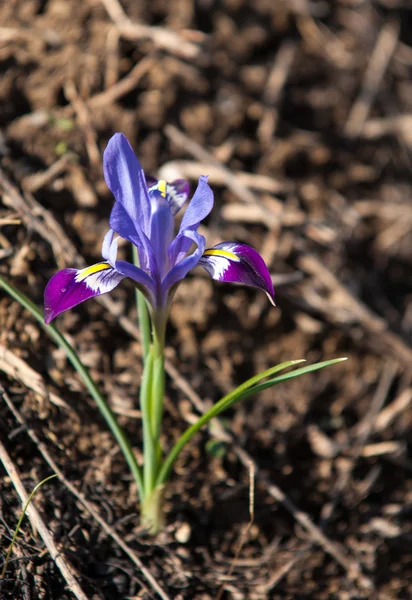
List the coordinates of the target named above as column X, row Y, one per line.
column 40, row 525
column 160, row 36
column 381, row 56
column 229, row 178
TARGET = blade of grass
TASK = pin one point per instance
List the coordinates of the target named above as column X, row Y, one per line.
column 102, row 405
column 20, row 521
column 245, row 390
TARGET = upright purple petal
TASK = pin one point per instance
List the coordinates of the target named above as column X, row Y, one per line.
column 199, row 207
column 238, row 263
column 177, row 193
column 161, row 233
column 123, row 225
column 107, row 245
column 70, row 287
column 181, row 269
column 125, row 178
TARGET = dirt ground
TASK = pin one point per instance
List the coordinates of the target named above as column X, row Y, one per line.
column 301, row 113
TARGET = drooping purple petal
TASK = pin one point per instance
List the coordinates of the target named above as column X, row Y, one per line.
column 70, row 287
column 181, row 269
column 199, row 207
column 238, row 263
column 125, row 178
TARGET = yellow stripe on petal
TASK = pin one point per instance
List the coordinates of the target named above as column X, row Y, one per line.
column 161, row 186
column 222, row 254
column 85, row 273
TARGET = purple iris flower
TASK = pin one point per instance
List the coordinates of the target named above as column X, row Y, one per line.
column 143, row 214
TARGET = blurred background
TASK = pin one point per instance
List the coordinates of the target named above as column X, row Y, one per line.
column 300, row 112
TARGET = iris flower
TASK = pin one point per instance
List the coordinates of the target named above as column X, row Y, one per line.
column 143, row 214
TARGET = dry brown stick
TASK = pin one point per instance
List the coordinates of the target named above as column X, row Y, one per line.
column 381, row 56
column 245, row 532
column 400, row 125
column 393, row 410
column 230, row 179
column 122, row 87
column 369, row 321
column 111, row 73
column 38, row 219
column 274, row 90
column 84, row 121
column 365, row 427
column 34, row 182
column 82, row 498
column 190, row 169
column 318, row 38
column 17, row 368
column 38, row 523
column 116, row 91
column 160, row 36
column 364, row 430
column 282, row 571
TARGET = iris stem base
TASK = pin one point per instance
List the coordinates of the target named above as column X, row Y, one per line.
column 152, row 513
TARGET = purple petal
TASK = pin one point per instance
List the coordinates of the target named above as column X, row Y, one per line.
column 238, row 263
column 108, row 245
column 199, row 207
column 70, row 287
column 161, row 233
column 141, row 278
column 125, row 178
column 123, row 225
column 177, row 192
column 181, row 269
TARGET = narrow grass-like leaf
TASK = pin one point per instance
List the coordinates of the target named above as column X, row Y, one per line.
column 20, row 521
column 102, row 405
column 245, row 390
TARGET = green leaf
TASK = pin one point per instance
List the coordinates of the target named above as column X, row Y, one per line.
column 245, row 390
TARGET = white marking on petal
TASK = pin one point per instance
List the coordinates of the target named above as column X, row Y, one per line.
column 100, row 278
column 219, row 265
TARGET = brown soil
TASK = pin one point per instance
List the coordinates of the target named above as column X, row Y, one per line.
column 309, row 105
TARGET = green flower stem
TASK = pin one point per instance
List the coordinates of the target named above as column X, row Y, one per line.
column 102, row 405
column 149, row 445
column 245, row 390
column 142, row 313
column 158, row 391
